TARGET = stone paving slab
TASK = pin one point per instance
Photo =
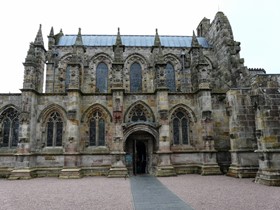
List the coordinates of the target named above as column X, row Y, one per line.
column 148, row 193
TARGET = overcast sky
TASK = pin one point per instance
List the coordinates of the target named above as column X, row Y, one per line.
column 255, row 24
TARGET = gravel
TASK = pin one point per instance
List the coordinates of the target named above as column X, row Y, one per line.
column 201, row 192
column 56, row 194
column 223, row 192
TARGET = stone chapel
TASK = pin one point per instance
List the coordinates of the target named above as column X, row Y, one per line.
column 119, row 105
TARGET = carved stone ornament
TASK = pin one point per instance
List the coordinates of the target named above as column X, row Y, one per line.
column 71, row 114
column 24, row 117
column 163, row 114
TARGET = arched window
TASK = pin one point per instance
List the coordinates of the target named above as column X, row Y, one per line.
column 102, row 78
column 10, row 127
column 135, row 78
column 180, row 128
column 170, row 77
column 54, row 130
column 97, row 130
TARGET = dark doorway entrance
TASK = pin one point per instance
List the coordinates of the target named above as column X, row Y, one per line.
column 139, row 148
column 141, row 158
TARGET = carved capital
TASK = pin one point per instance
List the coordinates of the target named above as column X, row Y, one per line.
column 163, row 114
column 24, row 117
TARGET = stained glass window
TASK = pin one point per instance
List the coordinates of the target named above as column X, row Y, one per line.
column 135, row 78
column 97, row 130
column 170, row 77
column 180, row 128
column 102, row 78
column 54, row 130
column 10, row 127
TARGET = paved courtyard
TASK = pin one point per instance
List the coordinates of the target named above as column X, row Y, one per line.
column 193, row 191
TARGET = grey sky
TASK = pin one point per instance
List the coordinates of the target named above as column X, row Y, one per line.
column 255, row 24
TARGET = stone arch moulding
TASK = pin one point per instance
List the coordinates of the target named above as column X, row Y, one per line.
column 49, row 109
column 129, row 60
column 101, row 57
column 93, row 107
column 135, row 57
column 93, row 63
column 9, row 106
column 188, row 110
column 174, row 60
column 150, row 111
column 141, row 127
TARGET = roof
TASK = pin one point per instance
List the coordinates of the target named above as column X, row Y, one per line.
column 132, row 40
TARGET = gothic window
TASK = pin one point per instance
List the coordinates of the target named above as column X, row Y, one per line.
column 67, row 77
column 10, row 127
column 97, row 129
column 180, row 128
column 139, row 113
column 170, row 77
column 135, row 78
column 102, row 78
column 54, row 130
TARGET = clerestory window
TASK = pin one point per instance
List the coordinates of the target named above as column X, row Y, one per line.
column 102, row 78
column 170, row 77
column 135, row 78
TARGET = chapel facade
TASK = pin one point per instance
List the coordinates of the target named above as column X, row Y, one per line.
column 119, row 105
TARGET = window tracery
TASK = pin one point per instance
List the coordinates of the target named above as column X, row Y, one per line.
column 9, row 127
column 140, row 113
column 180, row 127
column 54, row 130
column 97, row 129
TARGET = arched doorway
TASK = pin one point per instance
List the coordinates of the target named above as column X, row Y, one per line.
column 139, row 148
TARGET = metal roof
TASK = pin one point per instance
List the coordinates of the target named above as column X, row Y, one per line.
column 132, row 40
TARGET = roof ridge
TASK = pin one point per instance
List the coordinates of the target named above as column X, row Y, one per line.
column 127, row 35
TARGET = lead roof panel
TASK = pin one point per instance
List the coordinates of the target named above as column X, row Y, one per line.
column 132, row 40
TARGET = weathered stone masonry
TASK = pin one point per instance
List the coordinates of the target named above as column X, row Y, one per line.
column 118, row 105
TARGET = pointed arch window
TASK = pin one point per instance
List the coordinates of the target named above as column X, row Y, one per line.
column 102, row 78
column 97, row 129
column 135, row 78
column 170, row 77
column 54, row 130
column 180, row 128
column 10, row 127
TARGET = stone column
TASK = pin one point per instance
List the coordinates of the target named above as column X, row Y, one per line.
column 24, row 159
column 118, row 168
column 71, row 167
column 164, row 167
column 209, row 164
column 244, row 162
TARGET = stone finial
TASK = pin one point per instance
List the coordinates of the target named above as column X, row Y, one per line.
column 39, row 38
column 79, row 40
column 118, row 39
column 195, row 41
column 51, row 32
column 118, row 48
column 157, row 42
